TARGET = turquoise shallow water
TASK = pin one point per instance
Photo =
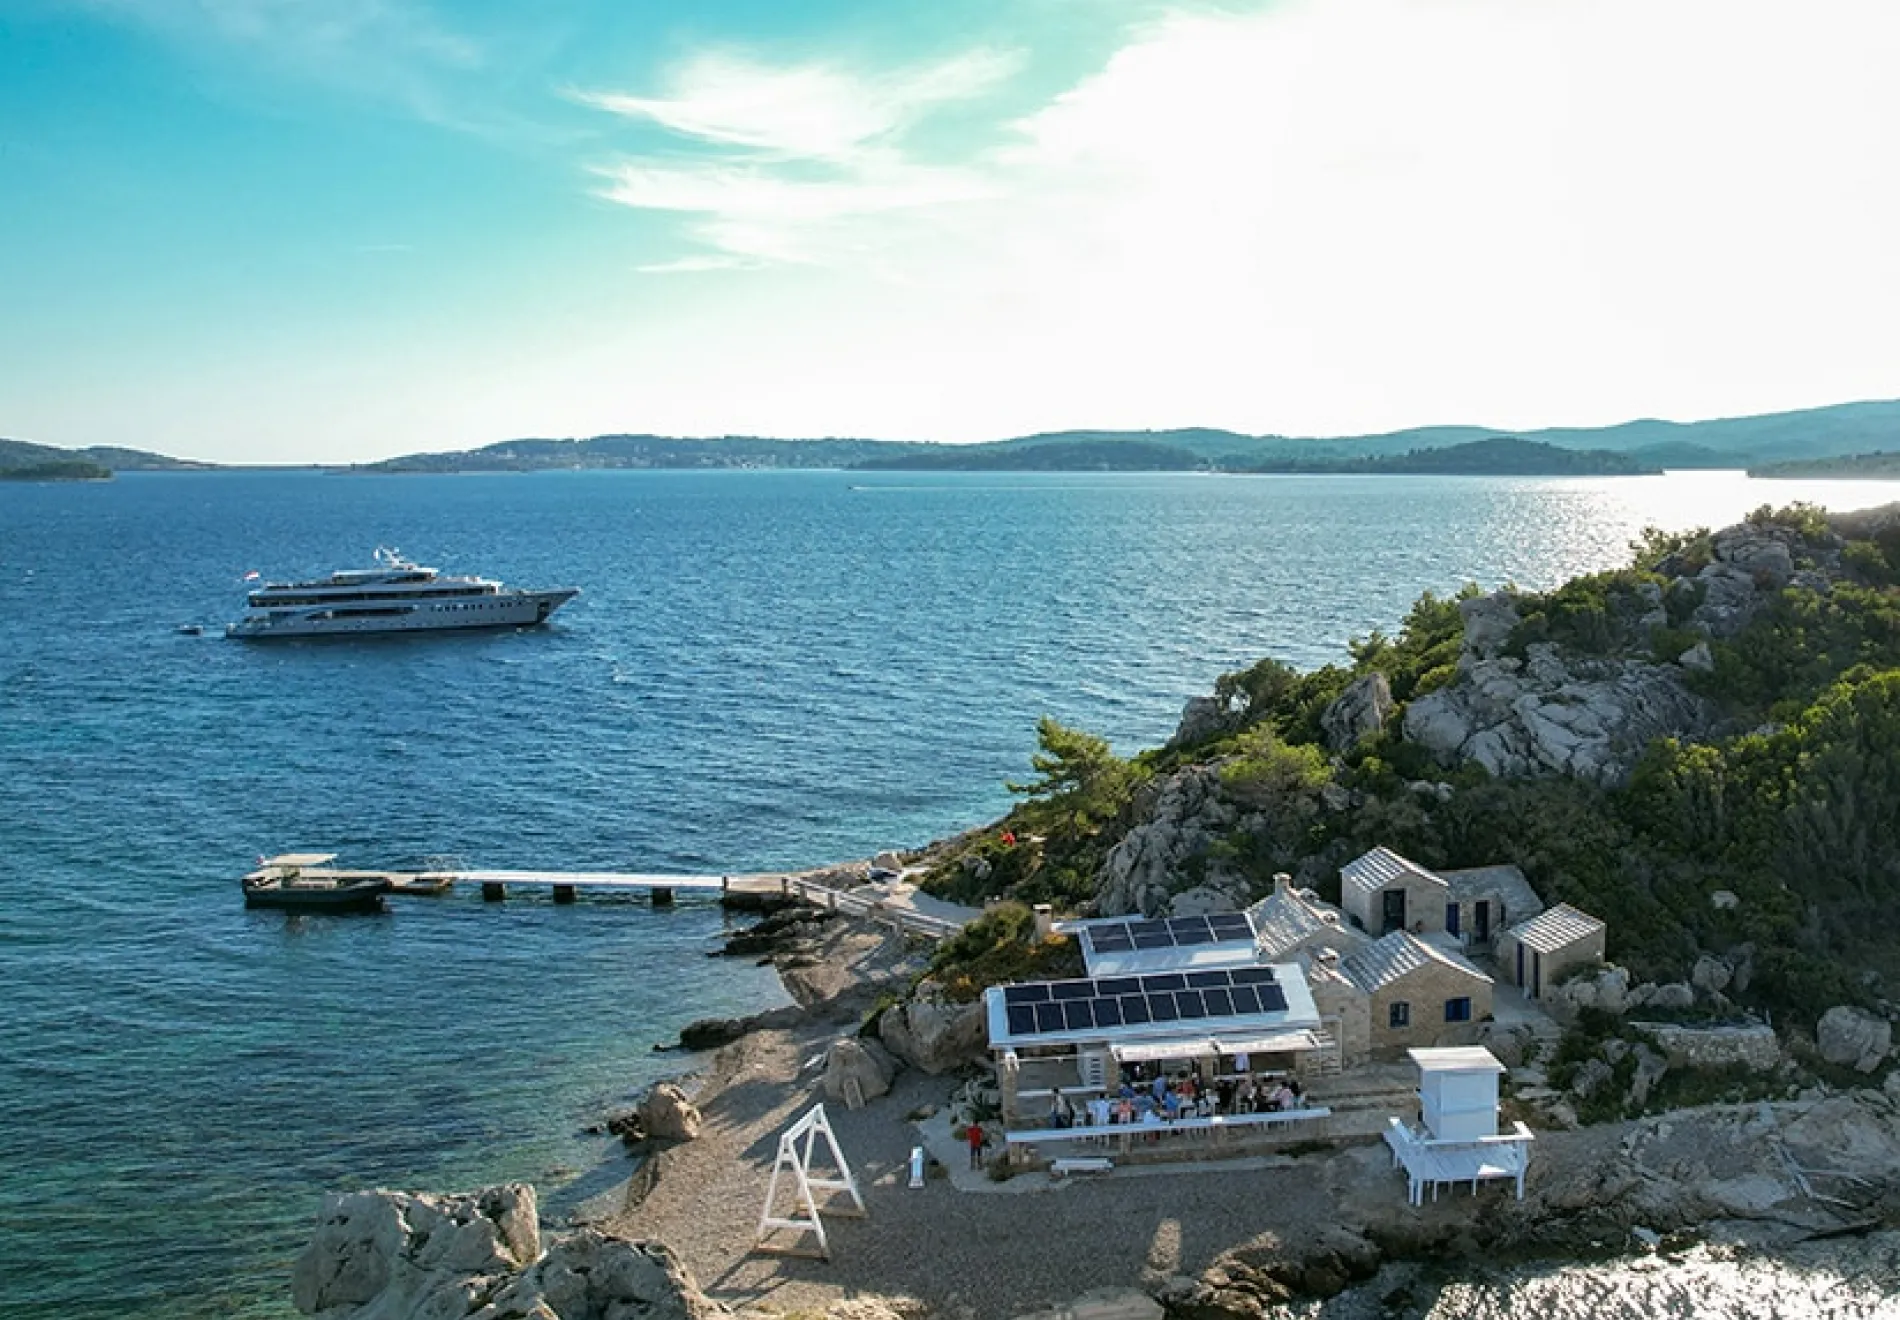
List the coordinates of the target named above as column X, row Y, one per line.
column 766, row 669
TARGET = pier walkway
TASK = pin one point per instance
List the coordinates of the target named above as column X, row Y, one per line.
column 895, row 904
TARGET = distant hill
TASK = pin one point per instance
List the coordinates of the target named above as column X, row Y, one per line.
column 1501, row 457
column 642, row 451
column 67, row 470
column 1734, row 442
column 17, row 454
column 1883, row 466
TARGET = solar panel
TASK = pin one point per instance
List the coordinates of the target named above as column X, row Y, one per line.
column 1084, row 1005
column 1169, row 932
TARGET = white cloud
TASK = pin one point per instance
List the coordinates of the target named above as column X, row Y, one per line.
column 1341, row 214
column 806, row 111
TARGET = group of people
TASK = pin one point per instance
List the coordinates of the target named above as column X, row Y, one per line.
column 1163, row 1100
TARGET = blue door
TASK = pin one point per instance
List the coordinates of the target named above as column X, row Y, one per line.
column 1451, row 918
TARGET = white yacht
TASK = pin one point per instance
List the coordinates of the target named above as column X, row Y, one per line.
column 394, row 597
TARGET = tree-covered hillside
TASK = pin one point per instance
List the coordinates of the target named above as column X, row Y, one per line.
column 1702, row 748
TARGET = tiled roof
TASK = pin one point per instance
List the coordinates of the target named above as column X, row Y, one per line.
column 1283, row 921
column 1379, row 868
column 1556, row 928
column 1385, row 960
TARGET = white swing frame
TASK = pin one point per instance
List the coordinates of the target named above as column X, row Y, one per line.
column 797, row 1155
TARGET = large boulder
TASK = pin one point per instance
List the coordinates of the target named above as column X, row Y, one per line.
column 1552, row 713
column 934, row 1034
column 1748, row 1045
column 402, row 1256
column 667, row 1115
column 1185, row 815
column 1854, row 1038
column 1206, row 718
column 859, row 1059
column 1357, row 713
column 1606, row 988
column 591, row 1276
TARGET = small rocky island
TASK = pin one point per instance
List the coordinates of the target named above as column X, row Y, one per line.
column 1695, row 753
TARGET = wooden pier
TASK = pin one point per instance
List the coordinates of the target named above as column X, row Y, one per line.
column 660, row 887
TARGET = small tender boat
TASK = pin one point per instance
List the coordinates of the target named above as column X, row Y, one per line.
column 294, row 883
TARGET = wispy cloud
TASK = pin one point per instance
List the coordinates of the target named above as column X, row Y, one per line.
column 809, row 111
column 793, row 154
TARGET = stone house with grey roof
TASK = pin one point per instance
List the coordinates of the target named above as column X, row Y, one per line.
column 1535, row 954
column 1382, row 892
column 1419, row 992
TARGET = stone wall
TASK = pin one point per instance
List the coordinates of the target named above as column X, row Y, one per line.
column 1425, row 989
column 1425, row 899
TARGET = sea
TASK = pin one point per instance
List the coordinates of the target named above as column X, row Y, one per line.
column 765, row 669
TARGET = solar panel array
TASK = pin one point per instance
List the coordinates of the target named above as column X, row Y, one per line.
column 1136, row 1001
column 1169, row 932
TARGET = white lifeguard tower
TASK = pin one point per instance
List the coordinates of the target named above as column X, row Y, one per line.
column 1458, row 1139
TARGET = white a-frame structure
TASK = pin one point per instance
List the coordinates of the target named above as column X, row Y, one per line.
column 796, row 1156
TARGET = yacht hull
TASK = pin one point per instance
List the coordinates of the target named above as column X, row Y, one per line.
column 510, row 609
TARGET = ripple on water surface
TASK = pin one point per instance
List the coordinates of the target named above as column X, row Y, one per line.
column 766, row 669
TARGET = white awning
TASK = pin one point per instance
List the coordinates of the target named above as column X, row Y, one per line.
column 1279, row 1043
column 1149, row 1051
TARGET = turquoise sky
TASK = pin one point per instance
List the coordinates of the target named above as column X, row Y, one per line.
column 283, row 230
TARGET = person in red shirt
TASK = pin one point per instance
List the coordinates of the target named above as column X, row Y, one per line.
column 976, row 1145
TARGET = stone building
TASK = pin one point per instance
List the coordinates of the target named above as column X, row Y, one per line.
column 1485, row 901
column 1536, row 953
column 1382, row 892
column 1418, row 992
column 1292, row 921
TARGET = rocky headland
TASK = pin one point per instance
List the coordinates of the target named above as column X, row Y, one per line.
column 1683, row 747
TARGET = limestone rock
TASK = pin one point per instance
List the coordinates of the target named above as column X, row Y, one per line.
column 1358, row 712
column 1206, row 718
column 934, row 1034
column 710, row 1033
column 1607, row 988
column 1699, row 658
column 395, row 1255
column 857, row 1058
column 591, row 1276
column 1104, row 1304
column 1489, row 621
column 667, row 1115
column 1581, row 716
column 1724, row 900
column 1853, row 1037
column 1752, row 1045
column 1675, row 995
column 1142, row 873
column 1711, row 974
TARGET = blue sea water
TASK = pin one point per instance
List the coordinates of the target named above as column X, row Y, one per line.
column 767, row 669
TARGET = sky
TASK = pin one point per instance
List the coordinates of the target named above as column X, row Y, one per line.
column 278, row 231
